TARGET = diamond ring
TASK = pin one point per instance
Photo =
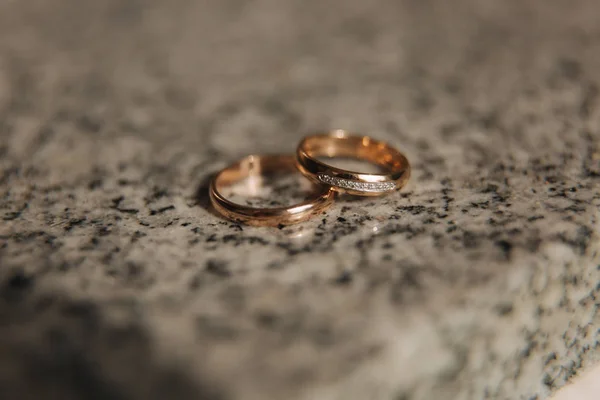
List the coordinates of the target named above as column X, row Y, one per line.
column 340, row 143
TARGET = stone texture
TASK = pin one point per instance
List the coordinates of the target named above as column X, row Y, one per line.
column 479, row 280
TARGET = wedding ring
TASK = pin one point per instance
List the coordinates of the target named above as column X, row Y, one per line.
column 255, row 167
column 340, row 143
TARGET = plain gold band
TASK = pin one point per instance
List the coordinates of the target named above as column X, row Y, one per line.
column 256, row 165
column 340, row 143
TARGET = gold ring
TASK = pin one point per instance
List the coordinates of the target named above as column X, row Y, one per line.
column 258, row 166
column 340, row 143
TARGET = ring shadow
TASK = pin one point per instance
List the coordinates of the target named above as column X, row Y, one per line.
column 202, row 195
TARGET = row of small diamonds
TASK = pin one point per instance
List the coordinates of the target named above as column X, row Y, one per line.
column 363, row 186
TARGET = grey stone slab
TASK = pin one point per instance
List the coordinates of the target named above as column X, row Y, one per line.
column 479, row 280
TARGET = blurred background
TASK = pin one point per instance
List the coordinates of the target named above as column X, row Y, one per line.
column 199, row 72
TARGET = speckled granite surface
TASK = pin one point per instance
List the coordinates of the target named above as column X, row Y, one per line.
column 480, row 280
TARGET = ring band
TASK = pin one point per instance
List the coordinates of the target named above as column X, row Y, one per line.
column 257, row 166
column 340, row 143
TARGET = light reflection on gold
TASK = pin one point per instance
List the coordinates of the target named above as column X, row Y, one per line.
column 253, row 186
